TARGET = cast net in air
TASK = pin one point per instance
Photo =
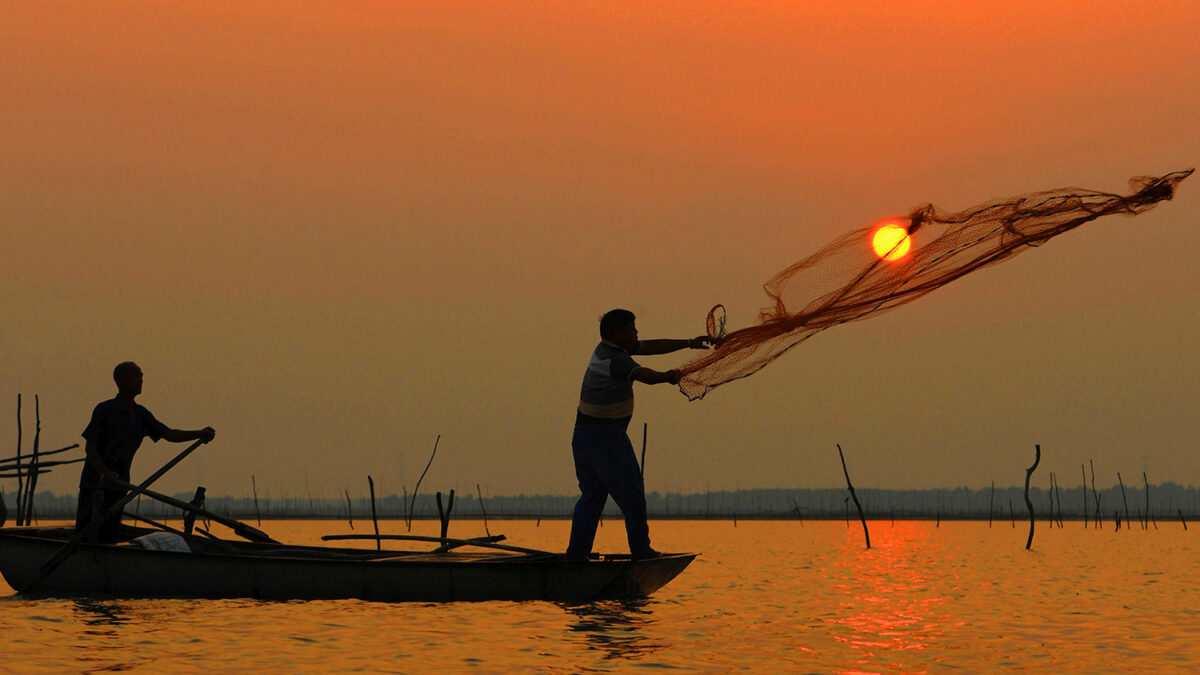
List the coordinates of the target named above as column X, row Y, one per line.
column 888, row 264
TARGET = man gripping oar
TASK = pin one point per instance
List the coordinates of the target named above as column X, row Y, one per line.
column 113, row 436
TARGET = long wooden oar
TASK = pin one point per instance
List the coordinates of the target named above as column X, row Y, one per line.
column 73, row 544
column 239, row 528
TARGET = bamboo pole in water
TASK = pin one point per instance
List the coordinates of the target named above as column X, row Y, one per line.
column 483, row 510
column 349, row 508
column 1145, row 525
column 1050, row 496
column 254, row 489
column 1096, row 494
column 444, row 515
column 1058, row 498
column 374, row 518
column 1083, row 486
column 31, row 484
column 1181, row 519
column 1122, row 483
column 863, row 518
column 1012, row 514
column 20, row 480
column 991, row 500
column 1028, row 504
column 416, row 488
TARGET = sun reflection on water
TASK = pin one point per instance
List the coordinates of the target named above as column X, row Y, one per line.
column 888, row 602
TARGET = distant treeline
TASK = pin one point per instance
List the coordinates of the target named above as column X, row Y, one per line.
column 1167, row 500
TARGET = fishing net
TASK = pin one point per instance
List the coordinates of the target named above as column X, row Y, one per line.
column 894, row 262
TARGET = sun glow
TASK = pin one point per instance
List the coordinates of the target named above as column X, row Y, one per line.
column 891, row 241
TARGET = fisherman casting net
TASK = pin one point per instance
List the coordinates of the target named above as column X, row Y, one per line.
column 877, row 268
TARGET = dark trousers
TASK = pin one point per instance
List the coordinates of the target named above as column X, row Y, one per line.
column 606, row 465
column 83, row 513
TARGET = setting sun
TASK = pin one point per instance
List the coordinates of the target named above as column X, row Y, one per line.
column 891, row 241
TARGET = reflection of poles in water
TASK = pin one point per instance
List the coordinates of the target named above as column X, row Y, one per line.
column 100, row 612
column 1028, row 504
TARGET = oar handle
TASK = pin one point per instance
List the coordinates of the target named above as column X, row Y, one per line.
column 65, row 552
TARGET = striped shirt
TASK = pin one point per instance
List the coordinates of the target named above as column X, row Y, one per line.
column 606, row 396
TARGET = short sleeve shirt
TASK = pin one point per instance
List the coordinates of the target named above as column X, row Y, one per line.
column 117, row 434
column 607, row 392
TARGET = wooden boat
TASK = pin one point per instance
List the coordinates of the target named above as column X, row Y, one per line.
column 219, row 568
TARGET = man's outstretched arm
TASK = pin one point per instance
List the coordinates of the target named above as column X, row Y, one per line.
column 654, row 347
column 648, row 376
column 180, row 436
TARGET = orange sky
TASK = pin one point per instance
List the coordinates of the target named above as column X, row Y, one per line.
column 335, row 231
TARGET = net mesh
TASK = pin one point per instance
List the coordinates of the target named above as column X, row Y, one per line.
column 877, row 268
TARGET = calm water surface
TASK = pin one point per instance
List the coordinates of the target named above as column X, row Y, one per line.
column 764, row 596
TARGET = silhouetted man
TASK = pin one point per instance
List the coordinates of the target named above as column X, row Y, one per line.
column 604, row 459
column 113, row 436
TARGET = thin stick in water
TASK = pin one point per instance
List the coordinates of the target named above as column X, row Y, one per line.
column 1122, row 483
column 483, row 510
column 1028, row 504
column 418, row 485
column 349, row 508
column 991, row 499
column 31, row 484
column 374, row 518
column 1083, row 472
column 1145, row 526
column 20, row 480
column 850, row 487
column 254, row 488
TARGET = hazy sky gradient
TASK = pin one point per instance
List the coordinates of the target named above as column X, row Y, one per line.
column 334, row 231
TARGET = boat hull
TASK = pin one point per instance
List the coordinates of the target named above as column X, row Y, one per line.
column 273, row 572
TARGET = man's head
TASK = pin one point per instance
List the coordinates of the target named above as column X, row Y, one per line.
column 128, row 377
column 618, row 326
